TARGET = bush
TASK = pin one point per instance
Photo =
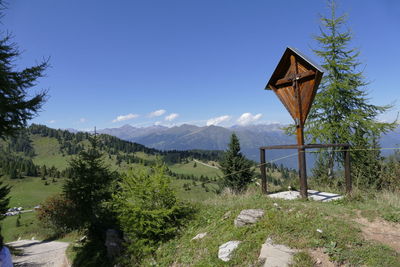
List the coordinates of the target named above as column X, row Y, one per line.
column 148, row 211
column 58, row 214
column 389, row 176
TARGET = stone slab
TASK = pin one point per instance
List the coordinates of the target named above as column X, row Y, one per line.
column 312, row 194
column 275, row 255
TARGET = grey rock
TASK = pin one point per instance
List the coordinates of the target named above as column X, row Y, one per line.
column 199, row 236
column 226, row 249
column 275, row 255
column 250, row 216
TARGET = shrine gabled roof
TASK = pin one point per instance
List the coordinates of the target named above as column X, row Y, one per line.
column 284, row 61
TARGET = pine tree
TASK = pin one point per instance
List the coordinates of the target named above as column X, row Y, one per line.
column 341, row 112
column 16, row 105
column 89, row 187
column 237, row 170
column 4, row 199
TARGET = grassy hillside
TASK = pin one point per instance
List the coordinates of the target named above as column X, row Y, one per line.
column 47, row 150
column 293, row 223
column 195, row 168
column 50, row 150
column 31, row 191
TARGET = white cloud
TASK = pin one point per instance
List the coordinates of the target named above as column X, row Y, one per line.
column 82, row 120
column 125, row 117
column 171, row 116
column 52, row 121
column 218, row 120
column 157, row 113
column 248, row 118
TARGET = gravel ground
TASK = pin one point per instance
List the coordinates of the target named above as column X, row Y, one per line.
column 40, row 253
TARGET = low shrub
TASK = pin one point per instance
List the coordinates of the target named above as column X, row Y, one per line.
column 58, row 214
column 148, row 212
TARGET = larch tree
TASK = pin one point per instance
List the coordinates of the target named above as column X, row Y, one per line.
column 342, row 112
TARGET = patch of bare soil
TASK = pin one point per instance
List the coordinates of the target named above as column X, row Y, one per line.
column 40, row 253
column 321, row 259
column 382, row 231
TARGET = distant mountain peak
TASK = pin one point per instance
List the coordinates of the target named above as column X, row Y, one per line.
column 127, row 126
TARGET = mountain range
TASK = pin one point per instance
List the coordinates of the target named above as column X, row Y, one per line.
column 185, row 137
column 213, row 137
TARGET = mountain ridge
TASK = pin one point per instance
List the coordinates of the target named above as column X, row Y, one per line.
column 213, row 137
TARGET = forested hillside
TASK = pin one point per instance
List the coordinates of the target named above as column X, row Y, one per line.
column 40, row 150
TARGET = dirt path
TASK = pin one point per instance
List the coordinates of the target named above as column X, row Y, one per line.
column 40, row 253
column 205, row 164
column 378, row 230
column 381, row 231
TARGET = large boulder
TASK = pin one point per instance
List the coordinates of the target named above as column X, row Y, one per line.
column 250, row 216
column 113, row 243
column 225, row 250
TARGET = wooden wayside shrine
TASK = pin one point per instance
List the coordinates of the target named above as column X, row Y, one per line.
column 295, row 81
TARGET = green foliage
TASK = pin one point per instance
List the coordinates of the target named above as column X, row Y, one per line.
column 148, row 211
column 237, row 170
column 341, row 112
column 15, row 166
column 302, row 259
column 88, row 188
column 130, row 152
column 16, row 107
column 390, row 173
column 58, row 214
column 91, row 254
column 21, row 142
column 4, row 199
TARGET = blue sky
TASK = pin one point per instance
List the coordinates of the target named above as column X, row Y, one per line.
column 173, row 62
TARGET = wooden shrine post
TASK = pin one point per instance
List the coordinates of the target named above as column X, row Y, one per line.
column 295, row 82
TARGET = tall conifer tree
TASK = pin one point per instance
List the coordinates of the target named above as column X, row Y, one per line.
column 237, row 170
column 89, row 187
column 341, row 112
column 16, row 105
